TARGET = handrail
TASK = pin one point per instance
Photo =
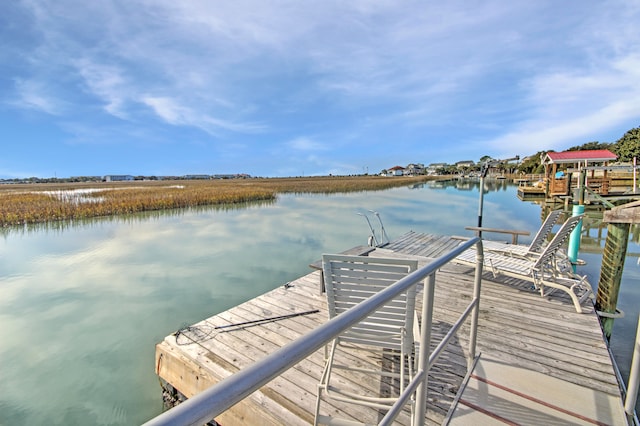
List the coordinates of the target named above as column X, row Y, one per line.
column 213, row 401
column 597, row 196
column 514, row 232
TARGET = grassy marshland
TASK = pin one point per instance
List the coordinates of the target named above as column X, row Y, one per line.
column 36, row 203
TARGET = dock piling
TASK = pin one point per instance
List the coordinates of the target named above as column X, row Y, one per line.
column 615, row 250
column 619, row 221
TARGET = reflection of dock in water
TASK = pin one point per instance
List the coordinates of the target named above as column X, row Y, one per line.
column 594, row 235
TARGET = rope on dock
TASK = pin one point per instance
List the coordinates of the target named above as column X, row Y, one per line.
column 618, row 314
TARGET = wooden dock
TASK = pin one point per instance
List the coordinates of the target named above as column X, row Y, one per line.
column 518, row 329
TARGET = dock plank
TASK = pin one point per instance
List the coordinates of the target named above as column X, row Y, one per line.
column 517, row 327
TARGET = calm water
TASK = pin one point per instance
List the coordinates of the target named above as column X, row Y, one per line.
column 83, row 304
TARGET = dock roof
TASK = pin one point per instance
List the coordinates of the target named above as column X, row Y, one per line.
column 593, row 155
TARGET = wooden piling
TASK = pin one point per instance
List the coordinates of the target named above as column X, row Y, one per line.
column 582, row 183
column 619, row 221
column 615, row 250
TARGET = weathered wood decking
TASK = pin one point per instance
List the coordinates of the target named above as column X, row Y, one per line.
column 517, row 327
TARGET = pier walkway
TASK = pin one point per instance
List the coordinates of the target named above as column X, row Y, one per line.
column 541, row 362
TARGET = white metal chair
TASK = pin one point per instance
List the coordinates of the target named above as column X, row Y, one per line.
column 349, row 280
column 537, row 244
column 542, row 269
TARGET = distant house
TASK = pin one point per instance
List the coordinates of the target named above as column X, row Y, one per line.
column 433, row 168
column 395, row 171
column 118, row 178
column 414, row 169
column 197, row 177
column 465, row 164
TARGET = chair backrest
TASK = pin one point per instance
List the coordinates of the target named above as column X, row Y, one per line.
column 558, row 240
column 351, row 279
column 540, row 238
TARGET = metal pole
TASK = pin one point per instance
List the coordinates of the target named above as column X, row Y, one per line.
column 383, row 232
column 483, row 172
column 425, row 344
column 476, row 309
column 634, row 378
column 373, row 232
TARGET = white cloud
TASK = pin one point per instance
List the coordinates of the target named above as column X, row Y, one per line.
column 32, row 94
column 167, row 110
column 107, row 83
column 306, row 144
column 172, row 112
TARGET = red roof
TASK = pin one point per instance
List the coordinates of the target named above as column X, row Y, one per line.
column 577, row 156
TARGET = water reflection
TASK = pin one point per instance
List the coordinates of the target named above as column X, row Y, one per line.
column 472, row 184
column 84, row 303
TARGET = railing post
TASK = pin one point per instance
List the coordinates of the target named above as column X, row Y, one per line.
column 425, row 344
column 473, row 334
column 634, row 378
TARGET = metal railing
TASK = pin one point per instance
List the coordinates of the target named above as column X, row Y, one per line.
column 634, row 381
column 212, row 402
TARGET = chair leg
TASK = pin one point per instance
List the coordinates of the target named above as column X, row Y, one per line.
column 317, row 412
column 402, row 357
column 494, row 270
column 588, row 290
column 324, row 378
column 412, row 364
column 568, row 290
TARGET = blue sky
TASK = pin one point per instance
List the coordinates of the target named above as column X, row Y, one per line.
column 289, row 88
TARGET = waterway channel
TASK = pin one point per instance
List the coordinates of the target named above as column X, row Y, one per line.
column 83, row 304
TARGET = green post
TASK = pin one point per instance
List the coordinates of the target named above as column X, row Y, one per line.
column 574, row 238
column 615, row 251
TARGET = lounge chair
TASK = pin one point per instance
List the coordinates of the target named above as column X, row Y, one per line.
column 537, row 244
column 542, row 269
column 348, row 281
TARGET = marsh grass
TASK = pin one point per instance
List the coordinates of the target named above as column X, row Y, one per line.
column 39, row 203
